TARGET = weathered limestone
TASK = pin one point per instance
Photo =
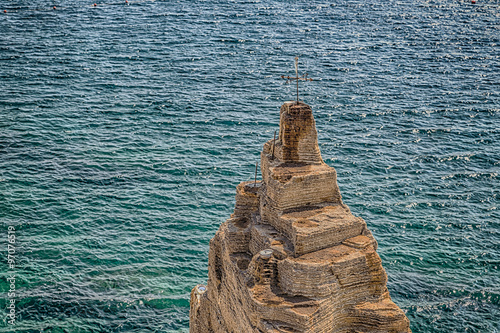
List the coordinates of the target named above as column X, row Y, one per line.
column 292, row 257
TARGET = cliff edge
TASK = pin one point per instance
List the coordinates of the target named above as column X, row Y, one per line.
column 292, row 257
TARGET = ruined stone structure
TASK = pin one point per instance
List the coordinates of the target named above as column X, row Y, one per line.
column 292, row 257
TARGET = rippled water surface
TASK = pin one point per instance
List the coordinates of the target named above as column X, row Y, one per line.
column 124, row 129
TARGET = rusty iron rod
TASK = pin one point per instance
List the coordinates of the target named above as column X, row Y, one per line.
column 297, row 76
column 274, row 144
column 255, row 181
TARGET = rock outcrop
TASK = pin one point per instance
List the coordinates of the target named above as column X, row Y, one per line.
column 292, row 257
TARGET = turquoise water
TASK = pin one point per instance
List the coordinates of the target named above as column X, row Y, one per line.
column 124, row 130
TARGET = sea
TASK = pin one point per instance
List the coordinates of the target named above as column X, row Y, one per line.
column 126, row 126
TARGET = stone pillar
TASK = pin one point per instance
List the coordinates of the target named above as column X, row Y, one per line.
column 292, row 257
column 298, row 139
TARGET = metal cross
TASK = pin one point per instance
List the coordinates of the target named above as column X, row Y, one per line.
column 296, row 78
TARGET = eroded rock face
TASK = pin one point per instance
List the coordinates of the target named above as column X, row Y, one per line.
column 292, row 257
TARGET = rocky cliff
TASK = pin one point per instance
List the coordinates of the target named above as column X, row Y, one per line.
column 292, row 257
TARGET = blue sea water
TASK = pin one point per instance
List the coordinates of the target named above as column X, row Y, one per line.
column 124, row 129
